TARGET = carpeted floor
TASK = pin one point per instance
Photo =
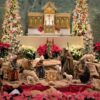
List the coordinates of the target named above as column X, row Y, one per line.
column 42, row 92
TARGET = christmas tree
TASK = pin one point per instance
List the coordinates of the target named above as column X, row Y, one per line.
column 80, row 15
column 12, row 25
column 81, row 25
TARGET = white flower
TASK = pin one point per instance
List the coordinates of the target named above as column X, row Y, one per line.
column 28, row 47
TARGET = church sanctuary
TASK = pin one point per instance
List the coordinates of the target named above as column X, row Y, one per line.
column 49, row 50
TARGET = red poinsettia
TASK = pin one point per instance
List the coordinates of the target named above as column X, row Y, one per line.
column 4, row 45
column 97, row 46
column 43, row 48
column 40, row 28
column 55, row 49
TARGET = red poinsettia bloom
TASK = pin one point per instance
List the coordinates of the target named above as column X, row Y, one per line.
column 55, row 49
column 42, row 49
column 97, row 46
column 4, row 45
column 40, row 29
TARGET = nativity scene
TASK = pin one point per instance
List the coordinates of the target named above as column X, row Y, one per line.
column 57, row 59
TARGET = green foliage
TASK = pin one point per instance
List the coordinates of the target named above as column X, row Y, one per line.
column 28, row 53
column 4, row 48
column 3, row 53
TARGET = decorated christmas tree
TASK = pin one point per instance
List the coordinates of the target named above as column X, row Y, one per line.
column 80, row 25
column 80, row 14
column 12, row 25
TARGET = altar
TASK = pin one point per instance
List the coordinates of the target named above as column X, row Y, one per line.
column 49, row 23
column 61, row 41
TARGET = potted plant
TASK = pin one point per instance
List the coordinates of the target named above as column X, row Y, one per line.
column 4, row 48
column 77, row 53
column 28, row 52
column 49, row 49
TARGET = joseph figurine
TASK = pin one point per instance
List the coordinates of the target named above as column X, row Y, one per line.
column 67, row 62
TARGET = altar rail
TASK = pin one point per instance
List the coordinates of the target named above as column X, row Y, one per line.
column 62, row 41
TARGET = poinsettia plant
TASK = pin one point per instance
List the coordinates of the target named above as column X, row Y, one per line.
column 42, row 49
column 49, row 47
column 4, row 48
column 97, row 46
column 40, row 28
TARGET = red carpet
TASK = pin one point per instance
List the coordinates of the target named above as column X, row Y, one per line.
column 64, row 93
column 34, row 87
column 74, row 88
